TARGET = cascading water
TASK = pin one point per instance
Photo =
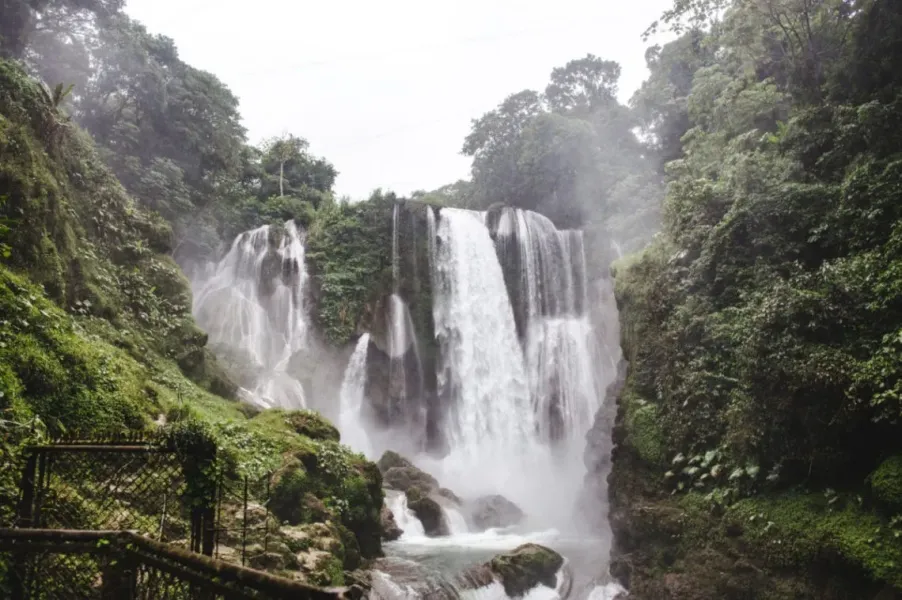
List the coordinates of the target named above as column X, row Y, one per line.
column 350, row 421
column 251, row 305
column 481, row 374
column 519, row 375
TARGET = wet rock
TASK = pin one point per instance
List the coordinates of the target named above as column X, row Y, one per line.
column 494, row 511
column 394, row 577
column 526, row 567
column 428, row 511
column 390, row 529
column 401, row 474
column 392, row 459
column 404, row 478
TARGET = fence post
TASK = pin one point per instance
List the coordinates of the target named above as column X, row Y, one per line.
column 26, row 502
column 120, row 575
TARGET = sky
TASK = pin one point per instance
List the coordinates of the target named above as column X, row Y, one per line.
column 386, row 91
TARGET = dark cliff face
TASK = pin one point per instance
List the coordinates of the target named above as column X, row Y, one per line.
column 401, row 389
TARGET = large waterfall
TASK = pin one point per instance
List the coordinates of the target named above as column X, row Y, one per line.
column 482, row 376
column 252, row 306
column 487, row 369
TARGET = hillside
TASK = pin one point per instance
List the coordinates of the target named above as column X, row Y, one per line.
column 97, row 336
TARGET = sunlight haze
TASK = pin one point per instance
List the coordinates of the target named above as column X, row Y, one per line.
column 386, row 91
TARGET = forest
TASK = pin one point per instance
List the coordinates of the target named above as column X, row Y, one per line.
column 746, row 204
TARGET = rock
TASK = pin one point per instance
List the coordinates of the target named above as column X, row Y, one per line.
column 296, row 537
column 268, row 561
column 312, row 425
column 494, row 511
column 526, row 567
column 392, row 459
column 404, row 478
column 395, row 577
column 390, row 529
column 429, row 512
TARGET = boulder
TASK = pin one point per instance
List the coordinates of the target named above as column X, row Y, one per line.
column 390, row 529
column 526, row 567
column 395, row 577
column 404, row 478
column 494, row 511
column 392, row 459
column 429, row 512
column 313, row 425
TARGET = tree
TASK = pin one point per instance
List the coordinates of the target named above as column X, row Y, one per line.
column 583, row 86
column 281, row 150
column 20, row 19
column 289, row 168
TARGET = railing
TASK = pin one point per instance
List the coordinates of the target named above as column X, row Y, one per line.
column 136, row 484
column 40, row 564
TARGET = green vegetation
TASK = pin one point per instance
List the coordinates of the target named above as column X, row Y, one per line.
column 349, row 251
column 762, row 324
column 886, row 483
column 96, row 336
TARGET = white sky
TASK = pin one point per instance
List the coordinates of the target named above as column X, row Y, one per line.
column 386, row 90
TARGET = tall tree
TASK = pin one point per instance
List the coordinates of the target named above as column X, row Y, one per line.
column 283, row 149
column 20, row 19
column 583, row 86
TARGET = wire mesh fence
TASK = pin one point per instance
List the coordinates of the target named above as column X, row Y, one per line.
column 138, row 486
column 89, row 565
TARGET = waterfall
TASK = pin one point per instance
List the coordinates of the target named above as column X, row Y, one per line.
column 481, row 373
column 404, row 517
column 353, row 432
column 545, row 270
column 252, row 306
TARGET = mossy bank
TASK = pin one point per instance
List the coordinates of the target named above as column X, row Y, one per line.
column 96, row 336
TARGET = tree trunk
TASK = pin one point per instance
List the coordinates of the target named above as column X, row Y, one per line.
column 281, row 178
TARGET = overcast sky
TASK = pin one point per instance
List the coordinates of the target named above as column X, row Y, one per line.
column 386, row 90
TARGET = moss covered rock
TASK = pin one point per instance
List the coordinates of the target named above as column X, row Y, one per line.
column 313, row 425
column 322, row 480
column 526, row 567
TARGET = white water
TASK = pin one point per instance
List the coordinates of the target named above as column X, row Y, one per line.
column 489, row 425
column 404, row 517
column 251, row 305
column 350, row 421
column 518, row 407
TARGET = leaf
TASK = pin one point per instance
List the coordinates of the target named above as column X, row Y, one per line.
column 736, row 474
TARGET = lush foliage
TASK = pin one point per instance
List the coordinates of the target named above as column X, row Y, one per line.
column 348, row 247
column 569, row 153
column 763, row 324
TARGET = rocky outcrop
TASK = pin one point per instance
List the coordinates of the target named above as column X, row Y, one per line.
column 493, row 511
column 428, row 511
column 424, row 495
column 395, row 577
column 519, row 570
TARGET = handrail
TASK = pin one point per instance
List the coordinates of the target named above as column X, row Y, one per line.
column 151, row 551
